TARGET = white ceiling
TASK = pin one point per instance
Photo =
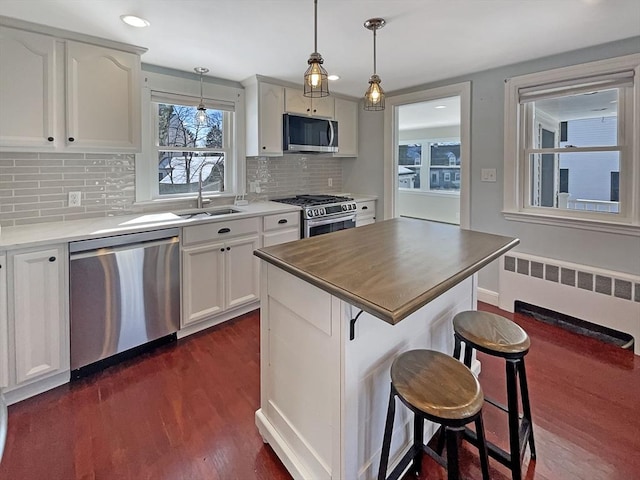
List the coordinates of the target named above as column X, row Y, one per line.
column 423, row 41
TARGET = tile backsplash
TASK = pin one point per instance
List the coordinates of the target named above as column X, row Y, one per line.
column 34, row 187
column 293, row 174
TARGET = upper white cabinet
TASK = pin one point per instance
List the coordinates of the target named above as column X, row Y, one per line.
column 59, row 94
column 295, row 102
column 346, row 114
column 264, row 109
column 28, row 95
column 103, row 98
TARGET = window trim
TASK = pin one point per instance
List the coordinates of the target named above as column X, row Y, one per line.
column 514, row 200
column 217, row 95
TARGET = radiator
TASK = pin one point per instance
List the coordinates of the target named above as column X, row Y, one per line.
column 603, row 297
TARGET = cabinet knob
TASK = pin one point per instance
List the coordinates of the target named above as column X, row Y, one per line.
column 314, row 110
column 228, row 248
column 224, row 230
column 71, row 139
column 222, row 249
column 264, row 148
column 52, row 259
column 308, row 109
column 282, row 221
column 50, row 139
column 365, row 208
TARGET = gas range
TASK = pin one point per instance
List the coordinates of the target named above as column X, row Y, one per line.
column 318, row 206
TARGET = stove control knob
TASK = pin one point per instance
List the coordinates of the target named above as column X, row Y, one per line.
column 344, row 208
column 321, row 211
column 309, row 213
column 315, row 211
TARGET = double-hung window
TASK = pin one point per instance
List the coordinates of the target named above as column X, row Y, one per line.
column 572, row 146
column 430, row 165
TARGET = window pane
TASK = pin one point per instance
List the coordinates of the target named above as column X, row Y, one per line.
column 409, row 161
column 583, row 120
column 584, row 181
column 410, row 154
column 177, row 127
column 445, row 154
column 179, row 172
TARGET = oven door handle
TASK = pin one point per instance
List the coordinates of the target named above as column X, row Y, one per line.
column 325, row 221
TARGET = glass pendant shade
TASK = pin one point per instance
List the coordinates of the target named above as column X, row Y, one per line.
column 201, row 113
column 374, row 96
column 316, row 83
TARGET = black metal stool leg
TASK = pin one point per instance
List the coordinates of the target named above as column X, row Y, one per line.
column 453, row 467
column 388, row 430
column 526, row 407
column 418, row 439
column 514, row 422
column 468, row 351
column 482, row 447
column 456, row 347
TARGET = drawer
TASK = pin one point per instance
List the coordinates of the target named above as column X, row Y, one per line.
column 366, row 208
column 219, row 230
column 281, row 220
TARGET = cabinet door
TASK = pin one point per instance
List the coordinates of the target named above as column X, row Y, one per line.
column 271, row 99
column 4, row 332
column 40, row 326
column 27, row 89
column 202, row 282
column 295, row 102
column 241, row 271
column 347, row 117
column 103, row 99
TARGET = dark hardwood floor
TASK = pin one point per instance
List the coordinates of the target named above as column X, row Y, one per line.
column 187, row 412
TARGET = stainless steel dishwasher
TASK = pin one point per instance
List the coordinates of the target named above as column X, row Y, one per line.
column 124, row 294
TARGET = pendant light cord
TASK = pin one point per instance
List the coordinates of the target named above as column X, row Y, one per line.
column 202, row 99
column 374, row 50
column 315, row 26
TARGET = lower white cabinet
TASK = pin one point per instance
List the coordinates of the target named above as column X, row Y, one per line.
column 281, row 228
column 4, row 332
column 365, row 213
column 221, row 274
column 38, row 330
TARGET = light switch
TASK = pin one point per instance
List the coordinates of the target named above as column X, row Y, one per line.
column 488, row 175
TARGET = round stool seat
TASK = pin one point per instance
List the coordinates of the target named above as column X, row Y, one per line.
column 436, row 384
column 491, row 333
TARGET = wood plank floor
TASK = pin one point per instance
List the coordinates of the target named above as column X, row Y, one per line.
column 186, row 412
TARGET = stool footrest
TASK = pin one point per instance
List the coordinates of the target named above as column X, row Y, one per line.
column 405, row 461
column 493, row 450
column 496, row 404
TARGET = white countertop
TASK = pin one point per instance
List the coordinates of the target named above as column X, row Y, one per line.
column 62, row 232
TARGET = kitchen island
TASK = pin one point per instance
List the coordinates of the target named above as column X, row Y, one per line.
column 336, row 309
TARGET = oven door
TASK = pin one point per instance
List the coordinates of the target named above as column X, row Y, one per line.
column 327, row 225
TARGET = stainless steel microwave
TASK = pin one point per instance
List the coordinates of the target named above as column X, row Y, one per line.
column 308, row 134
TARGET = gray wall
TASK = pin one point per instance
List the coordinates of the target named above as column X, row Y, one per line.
column 599, row 249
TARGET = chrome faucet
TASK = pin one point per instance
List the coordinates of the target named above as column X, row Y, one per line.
column 199, row 201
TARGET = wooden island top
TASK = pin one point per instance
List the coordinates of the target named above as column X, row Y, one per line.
column 391, row 268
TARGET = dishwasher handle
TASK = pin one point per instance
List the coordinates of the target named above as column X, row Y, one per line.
column 98, row 252
column 119, row 240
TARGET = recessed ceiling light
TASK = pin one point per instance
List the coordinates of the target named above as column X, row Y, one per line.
column 440, row 106
column 334, row 77
column 134, row 21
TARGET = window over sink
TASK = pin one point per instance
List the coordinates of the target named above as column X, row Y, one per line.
column 181, row 153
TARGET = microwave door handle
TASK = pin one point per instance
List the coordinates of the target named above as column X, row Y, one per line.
column 331, row 133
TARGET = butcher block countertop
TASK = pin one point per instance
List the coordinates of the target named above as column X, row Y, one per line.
column 391, row 268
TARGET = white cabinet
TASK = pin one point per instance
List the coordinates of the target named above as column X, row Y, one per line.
column 59, row 94
column 280, row 228
column 39, row 326
column 365, row 212
column 295, row 102
column 264, row 109
column 4, row 332
column 103, row 98
column 219, row 270
column 346, row 114
column 27, row 89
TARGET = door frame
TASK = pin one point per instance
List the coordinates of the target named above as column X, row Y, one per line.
column 463, row 90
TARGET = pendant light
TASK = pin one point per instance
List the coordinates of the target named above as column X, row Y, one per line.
column 316, row 83
column 201, row 114
column 374, row 96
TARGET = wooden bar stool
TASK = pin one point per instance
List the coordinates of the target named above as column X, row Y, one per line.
column 500, row 337
column 435, row 387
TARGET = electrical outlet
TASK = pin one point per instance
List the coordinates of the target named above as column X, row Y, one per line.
column 488, row 175
column 75, row 199
column 252, row 187
column 330, row 182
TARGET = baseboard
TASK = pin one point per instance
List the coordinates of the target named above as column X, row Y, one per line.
column 488, row 296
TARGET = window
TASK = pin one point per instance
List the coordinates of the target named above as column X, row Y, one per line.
column 438, row 172
column 571, row 147
column 181, row 154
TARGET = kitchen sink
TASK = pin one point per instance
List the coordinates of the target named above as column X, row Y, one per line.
column 207, row 213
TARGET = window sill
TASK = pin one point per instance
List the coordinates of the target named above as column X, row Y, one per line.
column 570, row 222
column 433, row 193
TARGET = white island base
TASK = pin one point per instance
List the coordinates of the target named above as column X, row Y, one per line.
column 323, row 396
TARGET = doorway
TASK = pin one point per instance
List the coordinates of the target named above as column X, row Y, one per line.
column 427, row 155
